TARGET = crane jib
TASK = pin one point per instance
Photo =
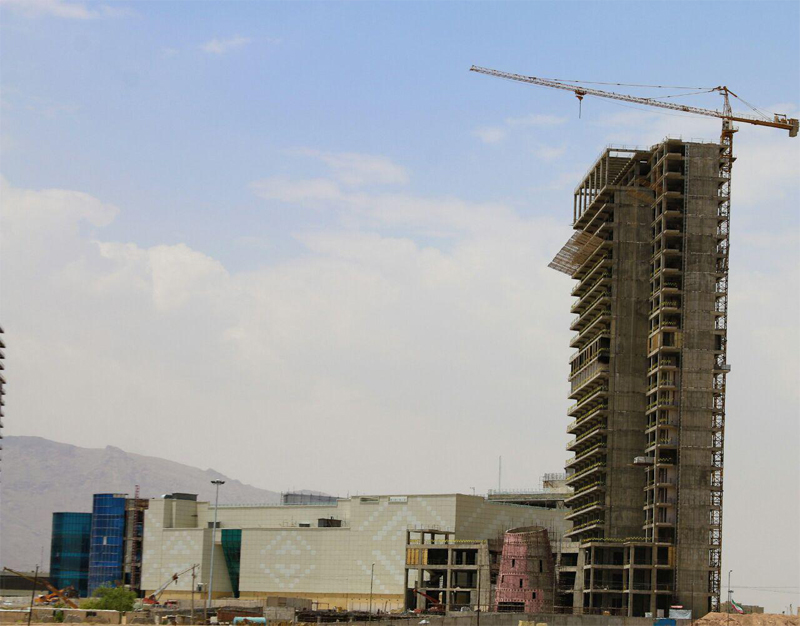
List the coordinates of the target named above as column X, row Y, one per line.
column 778, row 122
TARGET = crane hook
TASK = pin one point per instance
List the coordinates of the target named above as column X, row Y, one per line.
column 579, row 95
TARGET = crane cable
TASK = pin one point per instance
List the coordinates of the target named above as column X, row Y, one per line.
column 696, row 91
column 678, row 95
column 589, row 82
column 760, row 112
column 756, row 109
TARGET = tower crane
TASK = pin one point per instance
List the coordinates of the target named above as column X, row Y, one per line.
column 778, row 120
column 726, row 115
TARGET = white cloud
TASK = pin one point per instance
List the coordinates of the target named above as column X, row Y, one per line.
column 27, row 209
column 549, row 153
column 177, row 274
column 355, row 169
column 221, row 46
column 496, row 134
column 562, row 181
column 437, row 217
column 360, row 329
column 63, row 9
column 490, row 134
column 311, row 191
column 536, row 119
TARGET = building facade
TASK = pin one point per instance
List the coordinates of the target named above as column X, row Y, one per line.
column 324, row 552
column 650, row 256
column 99, row 549
column 107, row 552
column 69, row 551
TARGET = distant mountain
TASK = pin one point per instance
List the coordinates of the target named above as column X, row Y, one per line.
column 40, row 476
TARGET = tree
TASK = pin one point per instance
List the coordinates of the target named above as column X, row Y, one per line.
column 111, row 599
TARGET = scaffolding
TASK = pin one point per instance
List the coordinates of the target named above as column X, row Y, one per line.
column 134, row 534
column 574, row 253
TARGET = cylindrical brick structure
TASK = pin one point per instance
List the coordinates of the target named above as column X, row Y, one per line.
column 525, row 579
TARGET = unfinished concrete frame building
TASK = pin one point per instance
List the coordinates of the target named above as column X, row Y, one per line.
column 445, row 574
column 650, row 254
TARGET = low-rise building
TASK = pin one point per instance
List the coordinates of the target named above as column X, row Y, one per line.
column 331, row 553
column 99, row 549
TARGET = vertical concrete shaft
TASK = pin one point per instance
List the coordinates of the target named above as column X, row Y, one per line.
column 700, row 339
column 630, row 286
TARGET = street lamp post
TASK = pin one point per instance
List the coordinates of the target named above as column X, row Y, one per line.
column 33, row 594
column 217, row 484
column 193, row 587
column 371, row 579
column 729, row 596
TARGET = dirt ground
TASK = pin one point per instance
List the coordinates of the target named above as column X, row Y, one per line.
column 764, row 619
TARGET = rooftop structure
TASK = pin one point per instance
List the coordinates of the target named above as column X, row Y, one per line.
column 650, row 254
column 552, row 493
column 307, row 497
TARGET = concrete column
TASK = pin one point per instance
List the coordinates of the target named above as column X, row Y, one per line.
column 448, row 579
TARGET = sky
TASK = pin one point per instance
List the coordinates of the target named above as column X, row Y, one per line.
column 301, row 244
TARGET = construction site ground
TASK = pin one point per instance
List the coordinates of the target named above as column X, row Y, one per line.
column 754, row 619
column 487, row 619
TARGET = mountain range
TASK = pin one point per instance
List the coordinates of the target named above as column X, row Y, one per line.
column 40, row 476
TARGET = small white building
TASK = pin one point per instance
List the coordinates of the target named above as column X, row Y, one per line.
column 324, row 552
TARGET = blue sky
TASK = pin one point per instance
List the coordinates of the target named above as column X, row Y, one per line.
column 140, row 115
column 311, row 223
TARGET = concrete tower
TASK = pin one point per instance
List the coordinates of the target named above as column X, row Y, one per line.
column 650, row 254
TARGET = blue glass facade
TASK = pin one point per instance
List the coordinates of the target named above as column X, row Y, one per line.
column 232, row 549
column 69, row 551
column 107, row 552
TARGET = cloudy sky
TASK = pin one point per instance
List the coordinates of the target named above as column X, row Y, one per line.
column 303, row 245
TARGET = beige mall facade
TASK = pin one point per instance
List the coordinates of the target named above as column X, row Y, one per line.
column 322, row 552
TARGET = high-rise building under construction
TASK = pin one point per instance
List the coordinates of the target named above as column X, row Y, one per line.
column 650, row 254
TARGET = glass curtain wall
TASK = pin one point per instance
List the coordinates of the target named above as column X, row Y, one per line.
column 107, row 552
column 232, row 548
column 69, row 551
